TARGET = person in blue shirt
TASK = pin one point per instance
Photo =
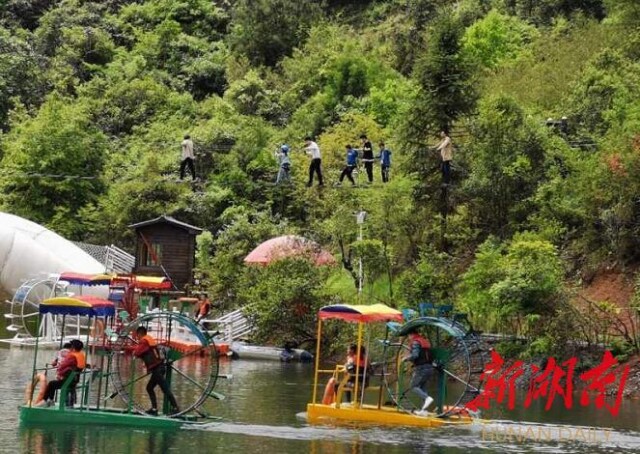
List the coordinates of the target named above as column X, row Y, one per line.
column 284, row 164
column 352, row 162
column 385, row 162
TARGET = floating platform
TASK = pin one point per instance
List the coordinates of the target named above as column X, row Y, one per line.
column 246, row 351
column 383, row 415
column 102, row 417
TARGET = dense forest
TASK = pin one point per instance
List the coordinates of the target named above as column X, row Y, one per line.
column 541, row 98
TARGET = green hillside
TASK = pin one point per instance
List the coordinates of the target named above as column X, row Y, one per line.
column 541, row 98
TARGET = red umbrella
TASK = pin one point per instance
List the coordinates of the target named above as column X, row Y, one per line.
column 288, row 246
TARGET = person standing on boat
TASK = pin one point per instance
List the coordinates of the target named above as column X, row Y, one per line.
column 74, row 361
column 420, row 356
column 187, row 158
column 147, row 351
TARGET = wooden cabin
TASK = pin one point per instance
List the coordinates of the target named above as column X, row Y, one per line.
column 166, row 247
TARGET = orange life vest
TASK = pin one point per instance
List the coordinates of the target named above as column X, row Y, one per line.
column 81, row 360
column 151, row 357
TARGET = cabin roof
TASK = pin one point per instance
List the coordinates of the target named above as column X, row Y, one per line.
column 164, row 219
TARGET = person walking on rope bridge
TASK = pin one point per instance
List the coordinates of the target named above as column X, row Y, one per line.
column 445, row 147
column 352, row 162
column 420, row 356
column 367, row 157
column 284, row 164
column 187, row 158
column 147, row 351
column 312, row 149
column 74, row 361
column 385, row 162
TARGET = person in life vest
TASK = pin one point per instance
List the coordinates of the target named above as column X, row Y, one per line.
column 356, row 367
column 74, row 361
column 147, row 351
column 203, row 308
column 420, row 356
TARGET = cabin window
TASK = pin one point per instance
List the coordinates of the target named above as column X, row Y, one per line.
column 153, row 255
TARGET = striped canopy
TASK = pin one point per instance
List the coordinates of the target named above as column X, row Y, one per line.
column 77, row 305
column 152, row 282
column 86, row 279
column 361, row 313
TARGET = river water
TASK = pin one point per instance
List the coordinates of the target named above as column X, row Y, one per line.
column 262, row 415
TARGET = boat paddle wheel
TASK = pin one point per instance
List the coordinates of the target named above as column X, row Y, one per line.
column 458, row 354
column 24, row 312
column 190, row 363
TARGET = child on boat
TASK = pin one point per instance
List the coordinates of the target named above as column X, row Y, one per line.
column 74, row 361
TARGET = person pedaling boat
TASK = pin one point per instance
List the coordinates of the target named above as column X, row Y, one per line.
column 74, row 361
column 147, row 351
column 420, row 356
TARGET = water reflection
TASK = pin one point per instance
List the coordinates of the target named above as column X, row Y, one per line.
column 259, row 416
column 76, row 440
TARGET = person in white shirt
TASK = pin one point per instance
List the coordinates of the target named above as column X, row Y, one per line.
column 187, row 158
column 313, row 150
column 445, row 147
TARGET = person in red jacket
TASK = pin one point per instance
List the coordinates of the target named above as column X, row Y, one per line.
column 74, row 361
column 147, row 351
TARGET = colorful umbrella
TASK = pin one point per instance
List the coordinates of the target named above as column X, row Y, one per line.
column 288, row 246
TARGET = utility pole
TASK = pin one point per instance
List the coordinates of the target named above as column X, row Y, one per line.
column 360, row 218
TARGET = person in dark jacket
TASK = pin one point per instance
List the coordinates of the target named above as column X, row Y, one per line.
column 420, row 356
column 385, row 162
column 147, row 351
column 367, row 157
column 352, row 162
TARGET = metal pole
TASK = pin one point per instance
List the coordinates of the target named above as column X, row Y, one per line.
column 360, row 267
column 360, row 217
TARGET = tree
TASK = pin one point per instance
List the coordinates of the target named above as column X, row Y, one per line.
column 60, row 140
column 21, row 78
column 283, row 299
column 515, row 287
column 505, row 159
column 267, row 30
column 497, row 38
column 446, row 91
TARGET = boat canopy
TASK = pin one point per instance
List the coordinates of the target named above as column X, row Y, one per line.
column 152, row 282
column 78, row 305
column 86, row 279
column 361, row 313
